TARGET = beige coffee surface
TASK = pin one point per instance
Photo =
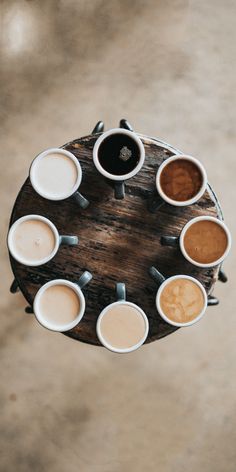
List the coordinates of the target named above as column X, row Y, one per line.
column 205, row 241
column 182, row 300
column 56, row 174
column 122, row 326
column 59, row 304
column 33, row 240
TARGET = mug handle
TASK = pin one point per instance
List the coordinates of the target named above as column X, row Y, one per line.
column 156, row 275
column 125, row 124
column 14, row 286
column 84, row 279
column 29, row 310
column 169, row 241
column 80, row 200
column 98, row 128
column 68, row 240
column 156, row 203
column 222, row 276
column 119, row 190
column 212, row 301
column 120, row 291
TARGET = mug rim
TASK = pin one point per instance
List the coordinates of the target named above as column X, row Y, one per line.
column 59, row 327
column 108, row 345
column 21, row 259
column 33, row 179
column 206, row 218
column 192, row 200
column 135, row 138
column 161, row 312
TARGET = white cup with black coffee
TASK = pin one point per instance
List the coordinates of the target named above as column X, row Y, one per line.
column 118, row 155
column 122, row 326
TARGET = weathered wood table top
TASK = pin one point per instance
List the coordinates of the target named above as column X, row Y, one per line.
column 118, row 239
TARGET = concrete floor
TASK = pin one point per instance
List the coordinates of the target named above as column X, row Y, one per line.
column 169, row 67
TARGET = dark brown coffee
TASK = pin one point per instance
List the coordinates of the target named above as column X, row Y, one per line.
column 205, row 241
column 181, row 180
column 118, row 154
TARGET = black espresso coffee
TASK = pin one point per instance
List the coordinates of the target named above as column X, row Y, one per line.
column 118, row 154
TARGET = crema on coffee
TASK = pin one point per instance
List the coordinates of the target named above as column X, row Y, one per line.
column 182, row 300
column 181, row 180
column 205, row 241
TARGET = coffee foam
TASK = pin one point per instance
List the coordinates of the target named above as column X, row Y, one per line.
column 182, row 300
column 59, row 304
column 181, row 180
column 33, row 240
column 205, row 241
column 55, row 174
column 122, row 326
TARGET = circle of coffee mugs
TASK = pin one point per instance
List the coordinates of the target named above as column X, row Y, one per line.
column 205, row 241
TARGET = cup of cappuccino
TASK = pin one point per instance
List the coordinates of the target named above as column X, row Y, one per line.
column 56, row 174
column 205, row 241
column 34, row 240
column 181, row 180
column 59, row 305
column 118, row 155
column 122, row 326
column 181, row 300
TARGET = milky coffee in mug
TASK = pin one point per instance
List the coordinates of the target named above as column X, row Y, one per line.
column 122, row 326
column 59, row 305
column 204, row 241
column 34, row 240
column 181, row 300
column 56, row 174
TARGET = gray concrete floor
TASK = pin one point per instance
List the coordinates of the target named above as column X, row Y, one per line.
column 169, row 67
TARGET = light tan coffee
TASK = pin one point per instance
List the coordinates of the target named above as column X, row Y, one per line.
column 59, row 304
column 182, row 300
column 33, row 240
column 55, row 174
column 122, row 326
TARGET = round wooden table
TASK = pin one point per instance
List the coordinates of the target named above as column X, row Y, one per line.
column 118, row 239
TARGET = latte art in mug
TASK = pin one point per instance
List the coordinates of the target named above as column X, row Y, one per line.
column 182, row 300
column 122, row 326
column 33, row 240
column 59, row 305
column 55, row 174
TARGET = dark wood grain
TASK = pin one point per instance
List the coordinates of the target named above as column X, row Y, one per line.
column 119, row 240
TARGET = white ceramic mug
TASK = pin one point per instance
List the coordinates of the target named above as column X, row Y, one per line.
column 121, row 301
column 80, row 199
column 179, row 241
column 157, row 202
column 59, row 239
column 163, row 282
column 77, row 288
column 119, row 179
